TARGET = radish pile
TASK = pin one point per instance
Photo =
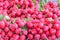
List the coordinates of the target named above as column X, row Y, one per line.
column 22, row 20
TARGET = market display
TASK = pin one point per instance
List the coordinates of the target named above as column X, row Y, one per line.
column 28, row 20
